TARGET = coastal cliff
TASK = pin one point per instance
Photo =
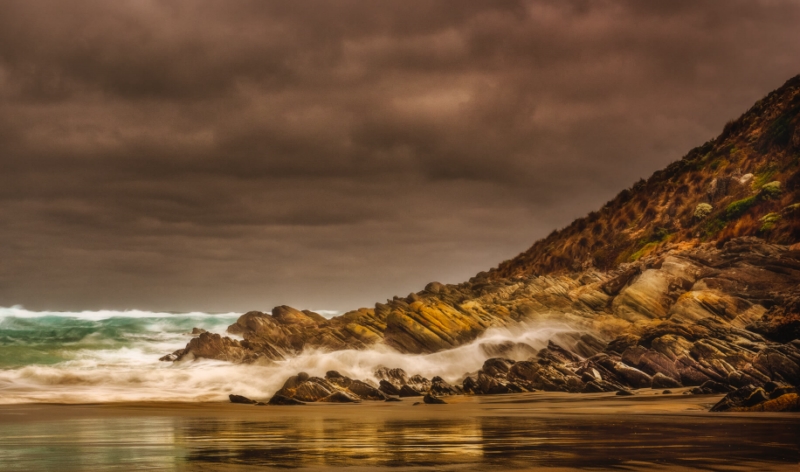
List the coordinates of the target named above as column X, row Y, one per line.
column 688, row 278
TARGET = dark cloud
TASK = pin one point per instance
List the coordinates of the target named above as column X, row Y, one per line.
column 238, row 155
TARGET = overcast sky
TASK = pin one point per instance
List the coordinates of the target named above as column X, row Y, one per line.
column 236, row 155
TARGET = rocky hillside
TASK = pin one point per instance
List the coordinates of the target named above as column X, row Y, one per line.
column 690, row 277
column 746, row 182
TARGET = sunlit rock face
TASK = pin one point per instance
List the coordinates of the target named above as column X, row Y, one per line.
column 690, row 278
column 687, row 316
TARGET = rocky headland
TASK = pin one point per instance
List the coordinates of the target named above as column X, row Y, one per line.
column 688, row 279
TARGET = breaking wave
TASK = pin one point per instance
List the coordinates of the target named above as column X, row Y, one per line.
column 112, row 356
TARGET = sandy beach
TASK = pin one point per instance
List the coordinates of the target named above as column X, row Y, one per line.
column 552, row 431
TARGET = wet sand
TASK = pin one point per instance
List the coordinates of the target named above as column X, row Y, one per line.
column 551, row 431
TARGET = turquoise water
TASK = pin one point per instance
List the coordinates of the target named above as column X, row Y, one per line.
column 76, row 357
column 112, row 356
column 28, row 338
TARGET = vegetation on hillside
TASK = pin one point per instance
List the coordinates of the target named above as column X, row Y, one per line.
column 746, row 182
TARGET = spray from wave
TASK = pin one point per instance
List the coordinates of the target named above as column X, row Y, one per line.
column 112, row 356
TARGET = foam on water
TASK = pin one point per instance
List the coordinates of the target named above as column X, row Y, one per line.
column 110, row 356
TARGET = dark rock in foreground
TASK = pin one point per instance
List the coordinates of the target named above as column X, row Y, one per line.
column 431, row 400
column 281, row 400
column 240, row 399
column 774, row 397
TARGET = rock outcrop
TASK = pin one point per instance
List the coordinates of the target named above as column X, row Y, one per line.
column 688, row 279
column 719, row 318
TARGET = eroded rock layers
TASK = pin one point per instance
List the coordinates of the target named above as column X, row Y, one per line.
column 693, row 315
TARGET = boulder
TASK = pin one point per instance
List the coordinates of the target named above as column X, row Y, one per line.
column 365, row 391
column 408, row 391
column 396, row 377
column 441, row 388
column 339, row 397
column 632, row 376
column 662, row 381
column 338, row 379
column 282, row 400
column 388, row 388
column 431, row 400
column 497, row 367
column 240, row 399
column 419, row 383
column 739, row 399
column 309, row 391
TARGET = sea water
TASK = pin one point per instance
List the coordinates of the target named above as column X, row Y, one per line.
column 113, row 356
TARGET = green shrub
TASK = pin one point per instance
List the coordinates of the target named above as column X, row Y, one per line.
column 770, row 190
column 764, row 176
column 739, row 207
column 768, row 221
column 702, row 210
column 646, row 249
column 712, row 228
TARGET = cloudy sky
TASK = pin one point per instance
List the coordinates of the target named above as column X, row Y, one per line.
column 329, row 154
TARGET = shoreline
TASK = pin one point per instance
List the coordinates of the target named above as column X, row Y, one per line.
column 539, row 430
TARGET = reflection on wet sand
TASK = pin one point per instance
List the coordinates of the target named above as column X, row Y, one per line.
column 509, row 432
column 336, row 442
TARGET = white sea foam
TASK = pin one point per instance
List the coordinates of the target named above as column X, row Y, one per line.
column 133, row 373
column 19, row 311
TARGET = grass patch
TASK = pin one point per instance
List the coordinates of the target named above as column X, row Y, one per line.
column 764, row 176
column 768, row 221
column 739, row 207
column 712, row 228
column 645, row 250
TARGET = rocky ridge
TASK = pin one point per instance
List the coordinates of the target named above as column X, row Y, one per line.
column 688, row 279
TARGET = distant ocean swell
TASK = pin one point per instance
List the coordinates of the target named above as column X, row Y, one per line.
column 109, row 356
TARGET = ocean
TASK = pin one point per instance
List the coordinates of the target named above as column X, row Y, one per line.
column 112, row 356
column 86, row 391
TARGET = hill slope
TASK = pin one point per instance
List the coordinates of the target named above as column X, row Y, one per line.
column 746, row 182
column 665, row 286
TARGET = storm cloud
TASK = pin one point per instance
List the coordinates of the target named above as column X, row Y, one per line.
column 329, row 154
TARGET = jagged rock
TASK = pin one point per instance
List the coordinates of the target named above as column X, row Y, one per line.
column 557, row 354
column 197, row 331
column 282, row 400
column 431, row 400
column 785, row 403
column 777, row 366
column 662, row 381
column 388, row 388
column 173, row 357
column 365, row 391
column 240, row 399
column 470, row 385
column 441, row 388
column 487, row 385
column 544, row 375
column 497, row 367
column 419, row 383
column 650, row 362
column 592, row 387
column 339, row 397
column 777, row 389
column 311, row 392
column 589, row 345
column 295, row 381
column 407, row 391
column 714, row 387
column 396, row 377
column 338, row 379
column 632, row 376
column 744, row 397
column 214, row 346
